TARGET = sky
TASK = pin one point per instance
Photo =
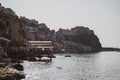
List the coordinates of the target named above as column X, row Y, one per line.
column 102, row 16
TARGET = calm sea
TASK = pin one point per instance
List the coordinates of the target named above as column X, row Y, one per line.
column 95, row 66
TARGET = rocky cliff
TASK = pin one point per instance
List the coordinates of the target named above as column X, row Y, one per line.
column 78, row 39
column 22, row 29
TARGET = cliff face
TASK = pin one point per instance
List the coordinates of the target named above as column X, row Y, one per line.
column 77, row 39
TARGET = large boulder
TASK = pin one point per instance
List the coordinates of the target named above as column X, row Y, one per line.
column 18, row 66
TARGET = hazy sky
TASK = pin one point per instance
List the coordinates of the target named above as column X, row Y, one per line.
column 102, row 16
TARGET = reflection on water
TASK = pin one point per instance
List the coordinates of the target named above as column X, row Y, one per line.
column 97, row 66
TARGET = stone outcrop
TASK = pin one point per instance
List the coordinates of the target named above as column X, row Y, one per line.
column 78, row 39
column 10, row 73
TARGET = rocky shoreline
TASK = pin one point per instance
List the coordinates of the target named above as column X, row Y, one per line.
column 11, row 71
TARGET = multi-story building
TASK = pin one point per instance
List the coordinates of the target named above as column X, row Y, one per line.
column 4, row 38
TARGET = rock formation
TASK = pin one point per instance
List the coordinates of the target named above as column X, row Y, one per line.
column 78, row 39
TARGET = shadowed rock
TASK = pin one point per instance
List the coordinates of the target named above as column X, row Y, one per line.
column 18, row 67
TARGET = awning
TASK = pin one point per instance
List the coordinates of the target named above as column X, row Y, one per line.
column 44, row 47
column 40, row 43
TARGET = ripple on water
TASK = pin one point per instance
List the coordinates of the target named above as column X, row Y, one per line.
column 99, row 66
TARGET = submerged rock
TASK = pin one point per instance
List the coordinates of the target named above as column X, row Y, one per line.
column 59, row 68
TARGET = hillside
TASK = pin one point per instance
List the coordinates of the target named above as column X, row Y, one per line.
column 21, row 29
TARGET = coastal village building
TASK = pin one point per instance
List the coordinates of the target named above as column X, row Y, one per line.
column 4, row 39
column 43, row 45
column 12, row 23
column 42, row 48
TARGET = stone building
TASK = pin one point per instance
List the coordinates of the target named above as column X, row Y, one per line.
column 4, row 39
column 12, row 23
